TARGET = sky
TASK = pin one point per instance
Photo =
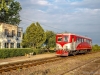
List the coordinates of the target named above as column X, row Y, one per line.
column 76, row 16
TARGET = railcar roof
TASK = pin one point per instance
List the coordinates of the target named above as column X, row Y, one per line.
column 73, row 34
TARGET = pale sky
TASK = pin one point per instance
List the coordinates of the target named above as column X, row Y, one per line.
column 77, row 16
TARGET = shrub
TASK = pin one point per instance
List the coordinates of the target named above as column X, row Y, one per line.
column 95, row 47
column 5, row 53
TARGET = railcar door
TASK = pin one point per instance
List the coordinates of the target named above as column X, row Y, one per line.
column 73, row 42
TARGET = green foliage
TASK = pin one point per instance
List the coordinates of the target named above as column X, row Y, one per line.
column 38, row 51
column 95, row 47
column 51, row 42
column 3, row 5
column 50, row 39
column 11, row 14
column 34, row 36
column 43, row 51
column 41, row 36
column 5, row 53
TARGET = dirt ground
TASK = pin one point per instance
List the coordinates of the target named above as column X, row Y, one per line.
column 58, row 67
column 25, row 58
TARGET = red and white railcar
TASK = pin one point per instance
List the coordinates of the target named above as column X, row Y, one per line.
column 69, row 43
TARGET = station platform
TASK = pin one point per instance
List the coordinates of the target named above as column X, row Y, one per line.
column 26, row 58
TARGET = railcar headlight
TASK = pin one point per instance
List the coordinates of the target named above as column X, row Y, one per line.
column 57, row 47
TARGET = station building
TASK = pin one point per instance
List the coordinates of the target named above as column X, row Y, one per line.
column 10, row 36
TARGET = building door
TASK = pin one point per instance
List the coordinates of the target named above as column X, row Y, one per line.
column 11, row 45
column 6, row 45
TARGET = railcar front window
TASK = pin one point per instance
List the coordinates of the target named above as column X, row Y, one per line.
column 65, row 38
column 59, row 39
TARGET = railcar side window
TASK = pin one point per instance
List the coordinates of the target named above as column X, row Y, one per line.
column 59, row 39
column 84, row 40
column 65, row 38
column 88, row 41
column 78, row 39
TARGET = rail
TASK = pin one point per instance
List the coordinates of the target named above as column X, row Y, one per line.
column 26, row 64
column 82, row 68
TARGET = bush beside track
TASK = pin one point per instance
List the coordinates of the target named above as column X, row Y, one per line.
column 95, row 47
column 6, row 53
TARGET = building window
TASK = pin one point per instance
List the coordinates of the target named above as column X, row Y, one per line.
column 13, row 32
column 11, row 45
column 18, row 45
column 6, row 45
column 6, row 32
column 19, row 34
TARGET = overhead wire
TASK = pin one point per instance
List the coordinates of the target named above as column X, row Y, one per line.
column 42, row 24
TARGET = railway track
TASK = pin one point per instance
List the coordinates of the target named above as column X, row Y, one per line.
column 89, row 68
column 25, row 64
column 29, row 63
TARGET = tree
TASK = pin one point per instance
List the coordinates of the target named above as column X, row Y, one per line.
column 34, row 36
column 96, row 47
column 41, row 35
column 52, row 42
column 50, row 39
column 11, row 14
column 3, row 5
